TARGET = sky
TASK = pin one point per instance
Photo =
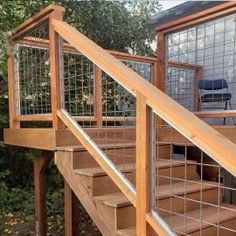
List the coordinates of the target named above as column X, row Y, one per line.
column 170, row 3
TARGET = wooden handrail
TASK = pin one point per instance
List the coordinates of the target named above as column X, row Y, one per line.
column 35, row 21
column 99, row 156
column 222, row 150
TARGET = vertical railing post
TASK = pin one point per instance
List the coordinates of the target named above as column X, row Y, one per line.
column 12, row 80
column 198, row 76
column 161, row 64
column 56, row 57
column 98, row 95
column 143, row 123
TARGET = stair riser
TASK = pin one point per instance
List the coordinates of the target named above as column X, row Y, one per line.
column 117, row 218
column 83, row 159
column 179, row 205
column 112, row 135
column 118, row 156
column 125, row 217
column 164, row 151
column 104, row 185
column 213, row 231
column 176, row 173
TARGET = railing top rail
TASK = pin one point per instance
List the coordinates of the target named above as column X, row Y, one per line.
column 197, row 131
column 34, row 21
column 183, row 65
column 147, row 59
column 44, row 43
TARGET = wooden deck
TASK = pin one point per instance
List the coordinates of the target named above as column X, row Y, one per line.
column 50, row 139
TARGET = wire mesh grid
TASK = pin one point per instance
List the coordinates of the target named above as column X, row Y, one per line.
column 181, row 86
column 116, row 135
column 117, row 101
column 32, row 74
column 190, row 191
column 211, row 45
column 78, row 85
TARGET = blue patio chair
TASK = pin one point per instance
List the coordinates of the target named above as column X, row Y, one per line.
column 217, row 93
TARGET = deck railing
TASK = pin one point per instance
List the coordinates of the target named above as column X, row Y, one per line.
column 32, row 88
column 81, row 84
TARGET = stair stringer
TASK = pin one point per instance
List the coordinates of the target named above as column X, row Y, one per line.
column 101, row 217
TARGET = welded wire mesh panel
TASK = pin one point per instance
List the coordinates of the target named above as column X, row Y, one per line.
column 213, row 46
column 84, row 88
column 32, row 77
column 181, row 86
column 142, row 68
column 190, row 191
column 78, row 84
column 117, row 101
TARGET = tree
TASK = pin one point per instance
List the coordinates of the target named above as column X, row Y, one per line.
column 114, row 25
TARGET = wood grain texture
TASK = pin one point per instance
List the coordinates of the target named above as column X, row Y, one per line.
column 34, row 21
column 12, row 92
column 161, row 83
column 56, row 57
column 40, row 188
column 33, row 138
column 143, row 165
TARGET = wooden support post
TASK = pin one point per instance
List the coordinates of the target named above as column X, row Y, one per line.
column 71, row 212
column 12, row 89
column 56, row 58
column 142, row 164
column 98, row 95
column 40, row 165
column 68, row 209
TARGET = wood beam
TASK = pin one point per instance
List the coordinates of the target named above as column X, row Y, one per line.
column 56, row 59
column 143, row 127
column 40, row 165
column 35, row 21
column 12, row 90
column 161, row 61
column 71, row 212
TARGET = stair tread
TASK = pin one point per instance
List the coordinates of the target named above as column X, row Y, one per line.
column 102, row 146
column 129, row 167
column 209, row 216
column 98, row 171
column 181, row 187
column 192, row 224
column 118, row 199
column 129, row 231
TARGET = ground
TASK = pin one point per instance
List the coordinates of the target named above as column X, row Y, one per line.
column 17, row 223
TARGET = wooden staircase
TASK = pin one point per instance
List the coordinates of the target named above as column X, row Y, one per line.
column 115, row 215
column 105, row 164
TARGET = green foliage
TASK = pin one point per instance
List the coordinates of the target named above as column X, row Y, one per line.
column 116, row 25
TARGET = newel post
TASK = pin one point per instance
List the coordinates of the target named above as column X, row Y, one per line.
column 56, row 68
column 143, row 128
